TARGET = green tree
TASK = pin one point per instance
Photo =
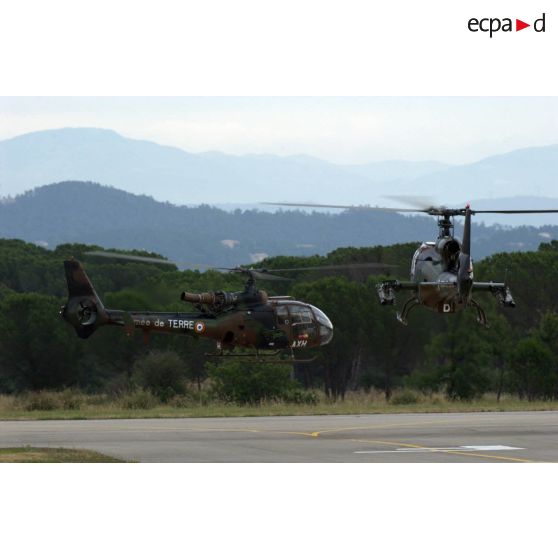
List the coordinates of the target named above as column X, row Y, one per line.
column 500, row 339
column 37, row 350
column 547, row 331
column 457, row 360
column 162, row 373
column 533, row 373
column 349, row 307
column 251, row 382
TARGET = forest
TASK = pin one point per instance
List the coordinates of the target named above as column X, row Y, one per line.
column 517, row 354
column 95, row 214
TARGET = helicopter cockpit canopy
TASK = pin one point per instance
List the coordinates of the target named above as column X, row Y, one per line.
column 325, row 325
column 425, row 263
column 306, row 321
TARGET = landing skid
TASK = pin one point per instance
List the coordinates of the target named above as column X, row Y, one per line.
column 481, row 316
column 407, row 307
column 262, row 357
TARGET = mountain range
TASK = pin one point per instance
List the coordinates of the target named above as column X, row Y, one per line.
column 169, row 174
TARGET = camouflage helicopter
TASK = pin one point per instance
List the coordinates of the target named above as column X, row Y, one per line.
column 442, row 270
column 249, row 318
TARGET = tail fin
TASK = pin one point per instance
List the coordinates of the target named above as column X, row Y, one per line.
column 84, row 311
column 465, row 272
column 466, row 243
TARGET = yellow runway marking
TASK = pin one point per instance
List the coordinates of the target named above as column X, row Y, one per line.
column 437, row 450
column 251, row 430
column 484, row 420
column 146, row 429
column 389, row 425
column 316, row 434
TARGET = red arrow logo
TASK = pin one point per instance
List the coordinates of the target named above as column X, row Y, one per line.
column 519, row 25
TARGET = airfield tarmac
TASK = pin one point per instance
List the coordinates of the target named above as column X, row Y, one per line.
column 511, row 437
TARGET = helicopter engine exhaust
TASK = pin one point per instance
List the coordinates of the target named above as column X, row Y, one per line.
column 216, row 298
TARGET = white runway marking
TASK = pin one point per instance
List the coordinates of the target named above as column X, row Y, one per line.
column 454, row 448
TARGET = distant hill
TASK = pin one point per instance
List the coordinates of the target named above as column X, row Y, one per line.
column 174, row 175
column 396, row 170
column 532, row 171
column 91, row 213
column 171, row 174
column 517, row 202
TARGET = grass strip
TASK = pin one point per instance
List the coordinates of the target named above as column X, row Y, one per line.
column 351, row 405
column 53, row 455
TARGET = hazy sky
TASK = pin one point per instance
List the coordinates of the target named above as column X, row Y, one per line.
column 338, row 129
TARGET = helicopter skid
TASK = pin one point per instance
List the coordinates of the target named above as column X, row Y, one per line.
column 265, row 357
column 441, row 296
column 407, row 307
column 481, row 316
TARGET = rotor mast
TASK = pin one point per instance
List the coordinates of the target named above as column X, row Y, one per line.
column 445, row 225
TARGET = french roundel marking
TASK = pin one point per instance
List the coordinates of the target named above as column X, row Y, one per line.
column 199, row 327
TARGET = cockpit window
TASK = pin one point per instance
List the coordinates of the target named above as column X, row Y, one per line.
column 414, row 261
column 306, row 316
column 321, row 317
column 282, row 312
column 300, row 315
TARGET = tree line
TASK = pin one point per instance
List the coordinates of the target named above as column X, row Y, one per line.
column 518, row 354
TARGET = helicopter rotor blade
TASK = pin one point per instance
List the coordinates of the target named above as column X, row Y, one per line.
column 513, row 211
column 259, row 274
column 146, row 259
column 424, row 203
column 265, row 276
column 353, row 207
column 338, row 267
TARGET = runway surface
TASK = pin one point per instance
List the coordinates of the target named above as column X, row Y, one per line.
column 411, row 438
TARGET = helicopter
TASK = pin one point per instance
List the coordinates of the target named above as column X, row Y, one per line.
column 441, row 270
column 250, row 319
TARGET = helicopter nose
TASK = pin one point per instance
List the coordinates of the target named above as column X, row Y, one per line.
column 326, row 334
column 324, row 325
